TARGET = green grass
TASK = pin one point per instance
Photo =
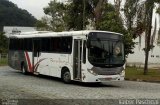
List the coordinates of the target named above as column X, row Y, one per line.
column 136, row 74
column 3, row 61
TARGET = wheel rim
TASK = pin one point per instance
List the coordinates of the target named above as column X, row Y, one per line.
column 66, row 76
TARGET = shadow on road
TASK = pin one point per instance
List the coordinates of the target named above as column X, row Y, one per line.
column 75, row 83
column 96, row 85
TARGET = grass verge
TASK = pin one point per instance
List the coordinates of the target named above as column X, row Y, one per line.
column 3, row 61
column 136, row 74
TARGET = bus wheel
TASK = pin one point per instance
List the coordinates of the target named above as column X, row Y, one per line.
column 24, row 71
column 66, row 76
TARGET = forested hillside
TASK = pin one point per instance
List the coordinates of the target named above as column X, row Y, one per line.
column 11, row 15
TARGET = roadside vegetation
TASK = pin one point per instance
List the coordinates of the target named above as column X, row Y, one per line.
column 3, row 49
column 136, row 74
column 3, row 43
column 3, row 61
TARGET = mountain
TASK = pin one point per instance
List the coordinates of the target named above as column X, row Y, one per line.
column 11, row 15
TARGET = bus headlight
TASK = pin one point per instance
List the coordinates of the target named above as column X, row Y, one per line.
column 122, row 73
column 92, row 72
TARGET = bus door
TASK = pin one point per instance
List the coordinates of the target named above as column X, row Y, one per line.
column 77, row 59
column 36, row 52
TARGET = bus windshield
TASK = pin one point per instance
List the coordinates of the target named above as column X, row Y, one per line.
column 105, row 50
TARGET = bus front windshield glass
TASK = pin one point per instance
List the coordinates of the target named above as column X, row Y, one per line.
column 105, row 49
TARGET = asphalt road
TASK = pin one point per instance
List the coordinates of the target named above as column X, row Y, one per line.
column 19, row 89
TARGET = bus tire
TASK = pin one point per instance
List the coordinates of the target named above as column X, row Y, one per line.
column 66, row 76
column 23, row 69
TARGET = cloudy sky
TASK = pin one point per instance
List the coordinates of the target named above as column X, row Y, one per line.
column 35, row 7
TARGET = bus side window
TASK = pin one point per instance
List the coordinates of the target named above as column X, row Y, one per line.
column 17, row 44
column 55, row 44
column 61, row 45
column 45, row 44
column 66, row 45
column 27, row 44
column 84, row 52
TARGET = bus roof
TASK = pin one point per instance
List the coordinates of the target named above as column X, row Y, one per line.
column 54, row 34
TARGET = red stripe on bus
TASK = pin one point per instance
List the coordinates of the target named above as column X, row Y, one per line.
column 29, row 62
column 37, row 64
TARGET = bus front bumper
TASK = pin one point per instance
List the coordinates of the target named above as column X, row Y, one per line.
column 104, row 78
column 110, row 78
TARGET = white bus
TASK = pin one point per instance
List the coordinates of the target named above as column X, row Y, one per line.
column 85, row 56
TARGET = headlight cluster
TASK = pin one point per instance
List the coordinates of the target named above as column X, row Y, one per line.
column 123, row 72
column 92, row 72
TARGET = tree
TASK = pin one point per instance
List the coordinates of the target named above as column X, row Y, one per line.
column 70, row 16
column 79, row 14
column 139, row 19
column 56, row 11
column 158, row 40
column 145, row 18
column 134, row 17
column 112, row 21
column 148, row 26
column 43, row 25
column 98, row 8
column 3, row 43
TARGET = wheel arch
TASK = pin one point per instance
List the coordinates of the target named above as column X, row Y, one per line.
column 65, row 68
